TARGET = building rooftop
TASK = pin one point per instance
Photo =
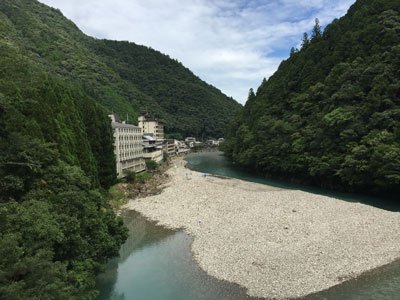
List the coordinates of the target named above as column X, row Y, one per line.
column 149, row 137
column 114, row 118
column 122, row 125
column 154, row 120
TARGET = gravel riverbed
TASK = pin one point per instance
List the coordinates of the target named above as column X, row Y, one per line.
column 276, row 243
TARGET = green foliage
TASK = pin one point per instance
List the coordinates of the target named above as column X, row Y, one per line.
column 59, row 112
column 316, row 32
column 130, row 176
column 123, row 77
column 117, row 197
column 331, row 113
column 151, row 165
column 142, row 177
column 305, row 41
column 27, row 232
column 165, row 157
column 56, row 230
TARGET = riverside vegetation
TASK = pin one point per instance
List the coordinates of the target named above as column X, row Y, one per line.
column 139, row 185
column 330, row 115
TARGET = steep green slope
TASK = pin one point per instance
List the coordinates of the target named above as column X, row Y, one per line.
column 122, row 76
column 331, row 113
column 188, row 105
column 56, row 151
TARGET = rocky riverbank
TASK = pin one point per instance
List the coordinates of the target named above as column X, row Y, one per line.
column 277, row 243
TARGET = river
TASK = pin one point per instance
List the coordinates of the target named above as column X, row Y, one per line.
column 156, row 263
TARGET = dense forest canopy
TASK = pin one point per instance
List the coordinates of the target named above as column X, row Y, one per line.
column 56, row 160
column 122, row 76
column 56, row 156
column 330, row 115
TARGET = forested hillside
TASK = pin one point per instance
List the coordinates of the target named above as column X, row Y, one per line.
column 123, row 77
column 56, row 157
column 330, row 115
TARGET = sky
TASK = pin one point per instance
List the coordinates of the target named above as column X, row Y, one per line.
column 231, row 44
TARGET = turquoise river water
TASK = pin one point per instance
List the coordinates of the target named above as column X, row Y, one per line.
column 156, row 263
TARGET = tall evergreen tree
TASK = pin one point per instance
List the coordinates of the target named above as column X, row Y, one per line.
column 305, row 41
column 316, row 32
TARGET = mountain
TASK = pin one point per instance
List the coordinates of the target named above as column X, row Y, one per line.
column 56, row 159
column 330, row 114
column 56, row 155
column 123, row 77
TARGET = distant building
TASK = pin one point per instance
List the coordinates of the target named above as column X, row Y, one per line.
column 211, row 142
column 152, row 150
column 181, row 144
column 169, row 147
column 127, row 147
column 214, row 143
column 183, row 150
column 150, row 125
column 190, row 139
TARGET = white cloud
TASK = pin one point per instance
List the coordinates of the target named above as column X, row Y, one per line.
column 230, row 44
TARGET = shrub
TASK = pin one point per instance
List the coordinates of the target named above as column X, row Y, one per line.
column 151, row 165
column 130, row 176
column 141, row 178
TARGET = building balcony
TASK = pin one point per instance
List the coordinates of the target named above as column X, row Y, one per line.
column 157, row 155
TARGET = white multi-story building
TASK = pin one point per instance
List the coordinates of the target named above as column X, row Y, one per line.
column 150, row 125
column 128, row 147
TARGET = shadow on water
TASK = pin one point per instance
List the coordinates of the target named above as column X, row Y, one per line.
column 216, row 163
column 141, row 233
column 156, row 264
column 379, row 284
